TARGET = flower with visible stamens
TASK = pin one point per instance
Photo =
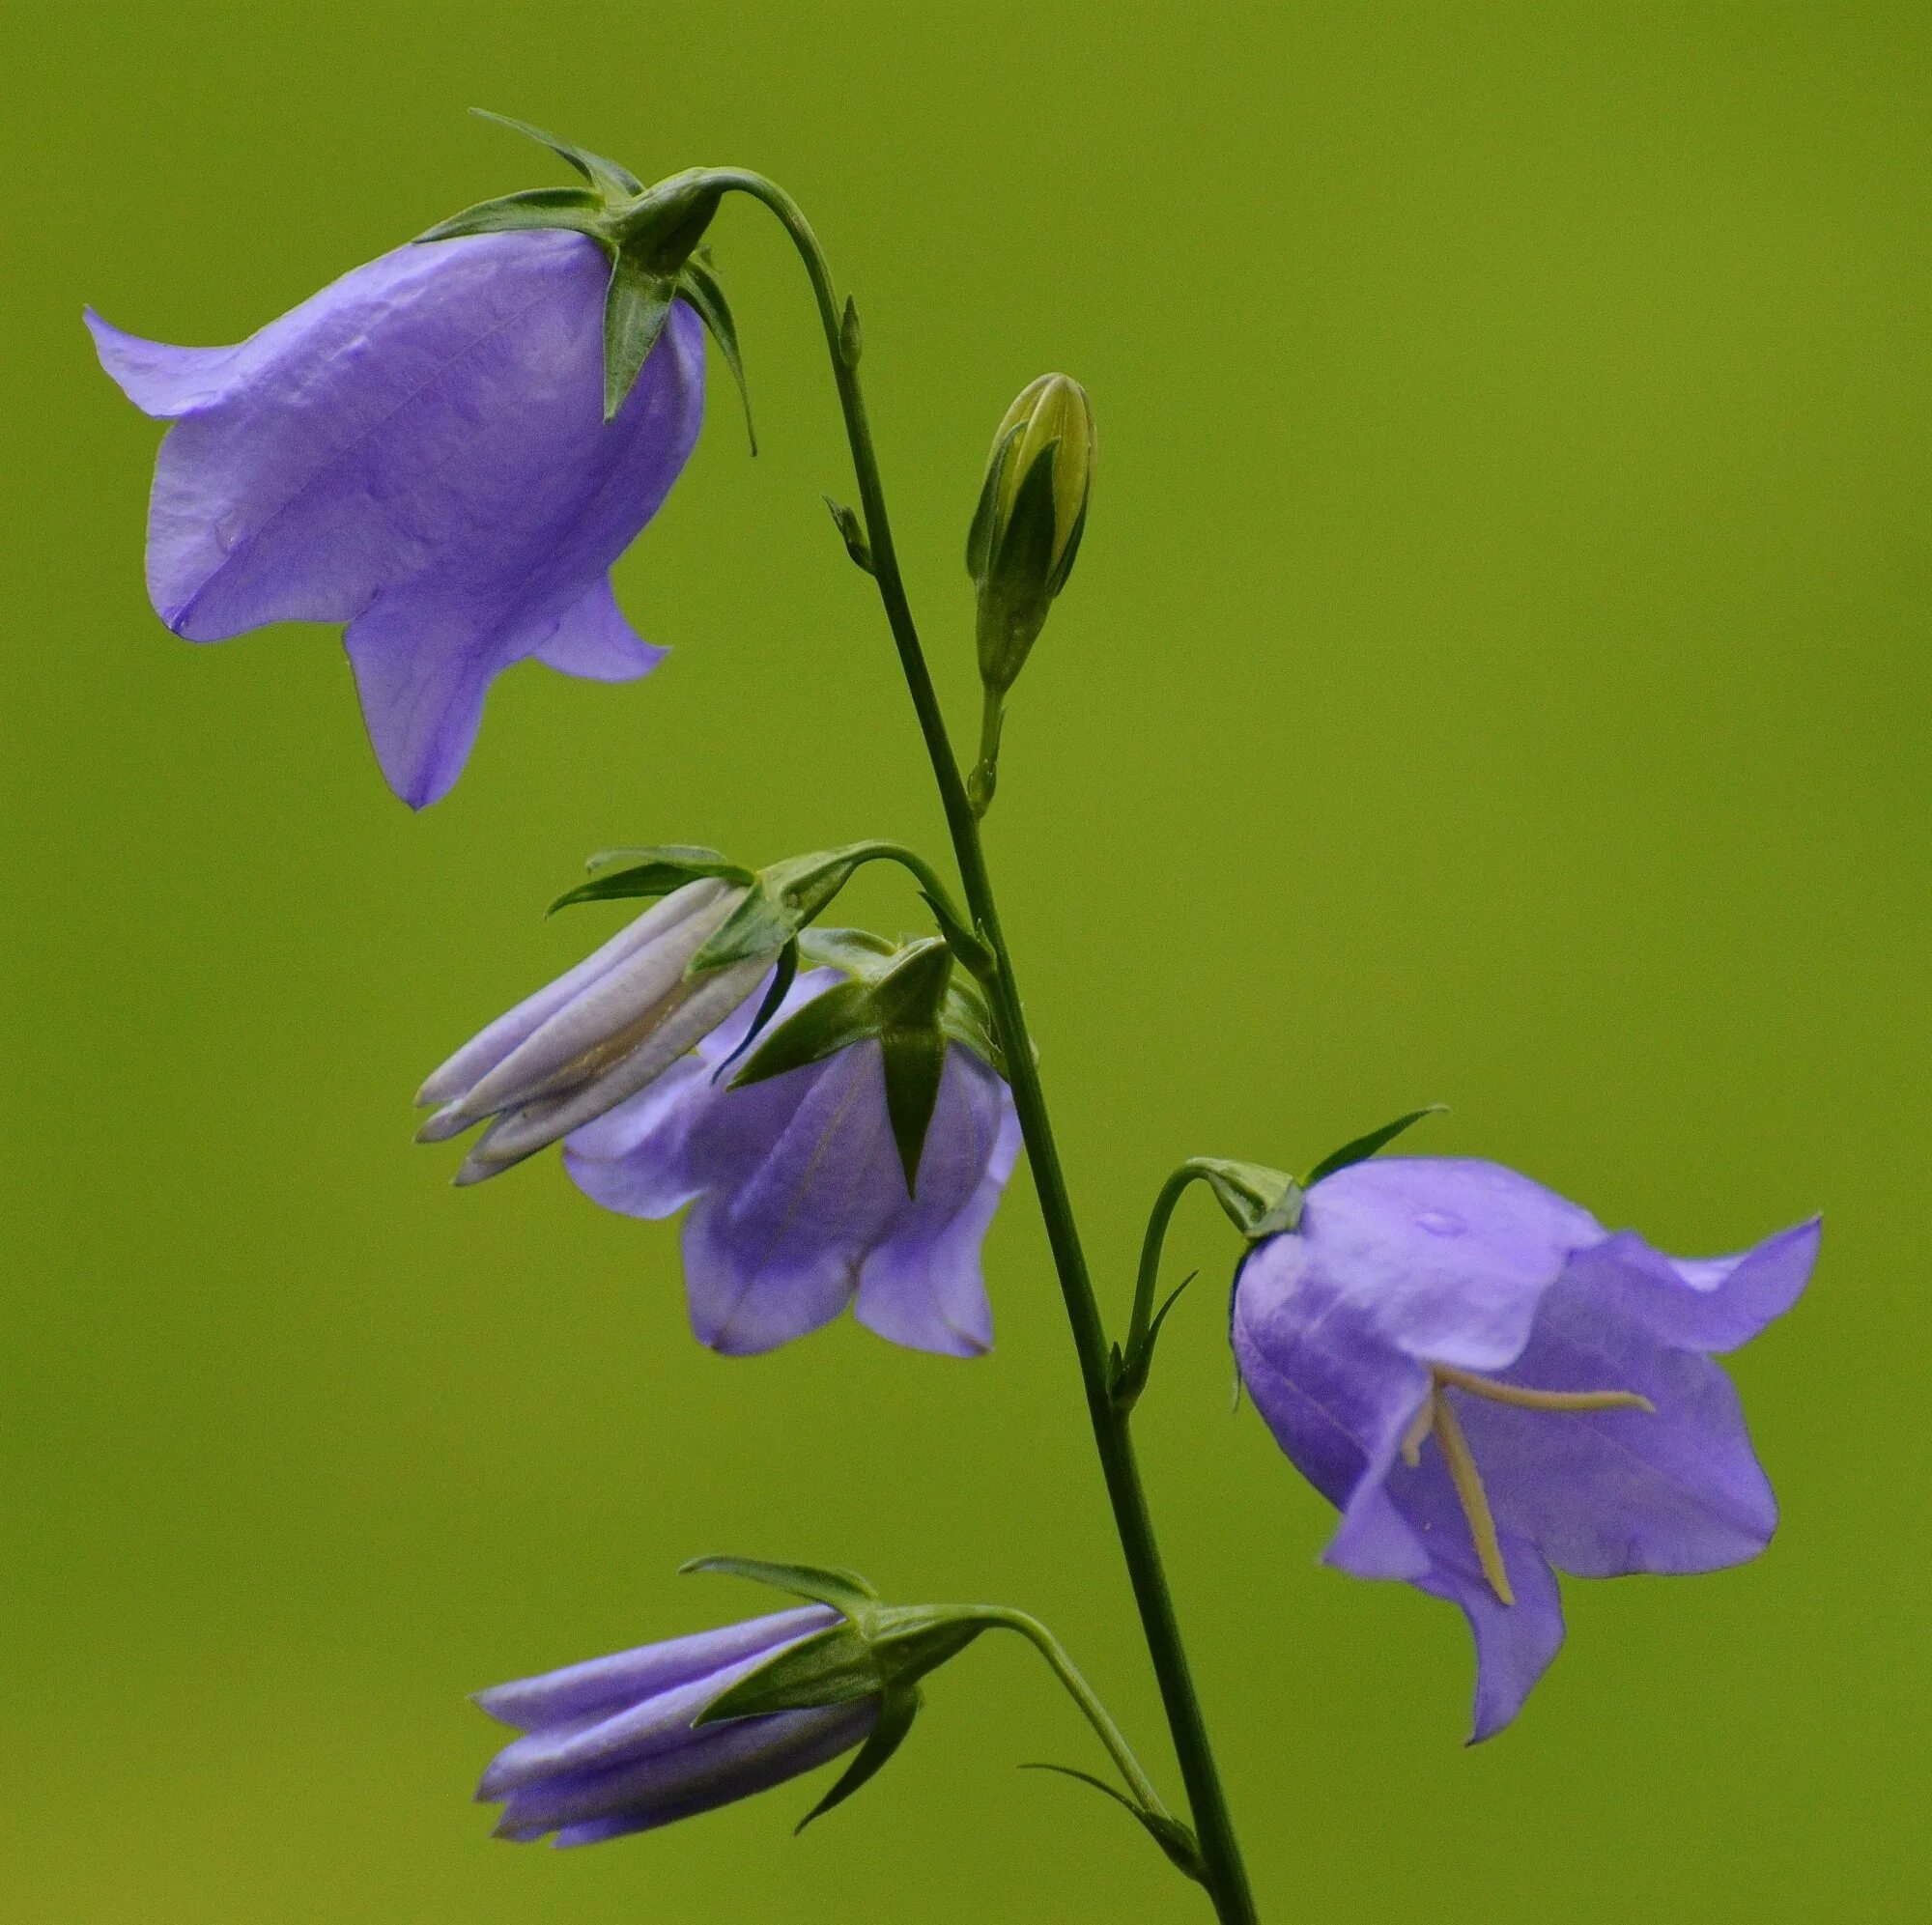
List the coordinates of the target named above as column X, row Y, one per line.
column 620, row 1022
column 1488, row 1385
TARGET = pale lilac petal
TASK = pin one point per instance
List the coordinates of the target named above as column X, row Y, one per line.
column 632, row 1159
column 490, row 1046
column 601, row 1685
column 1705, row 1304
column 162, row 380
column 1447, row 1257
column 593, row 640
column 1673, row 1490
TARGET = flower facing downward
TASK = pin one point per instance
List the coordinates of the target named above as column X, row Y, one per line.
column 801, row 1204
column 1487, row 1383
column 609, row 1746
column 595, row 1038
column 419, row 451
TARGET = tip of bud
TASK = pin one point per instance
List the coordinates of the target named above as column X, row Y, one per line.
column 1032, row 512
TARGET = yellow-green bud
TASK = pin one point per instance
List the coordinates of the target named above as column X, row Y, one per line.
column 1026, row 531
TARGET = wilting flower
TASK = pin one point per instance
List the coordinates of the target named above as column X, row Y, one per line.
column 419, row 451
column 1487, row 1383
column 610, row 1746
column 596, row 1037
column 800, row 1201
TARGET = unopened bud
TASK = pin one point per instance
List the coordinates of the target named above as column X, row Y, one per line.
column 1026, row 532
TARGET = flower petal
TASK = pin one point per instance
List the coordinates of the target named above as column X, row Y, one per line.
column 1675, row 1490
column 1515, row 1643
column 1704, row 1304
column 593, row 640
column 601, row 1685
column 922, row 1287
column 162, row 381
column 1446, row 1256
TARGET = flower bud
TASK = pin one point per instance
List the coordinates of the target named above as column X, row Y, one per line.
column 1026, row 531
column 610, row 1027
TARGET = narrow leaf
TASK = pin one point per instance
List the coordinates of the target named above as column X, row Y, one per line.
column 784, row 975
column 852, row 534
column 571, row 208
column 835, row 1666
column 1365, row 1147
column 658, row 873
column 915, row 1062
column 824, row 1584
column 836, row 1020
column 895, row 1717
column 636, row 306
column 614, row 183
column 706, row 293
column 1176, row 1839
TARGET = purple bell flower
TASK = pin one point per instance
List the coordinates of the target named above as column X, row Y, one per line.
column 600, row 1032
column 419, row 451
column 609, row 1749
column 1487, row 1383
column 800, row 1205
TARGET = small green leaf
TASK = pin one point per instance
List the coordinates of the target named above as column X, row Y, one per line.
column 1365, row 1147
column 650, row 872
column 835, row 1666
column 703, row 289
column 852, row 534
column 1176, row 1839
column 895, row 1718
column 829, row 1023
column 636, row 306
column 613, row 181
column 824, row 1584
column 851, row 342
column 784, row 975
column 915, row 1062
column 571, row 208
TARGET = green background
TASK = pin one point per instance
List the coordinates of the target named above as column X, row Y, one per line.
column 1496, row 672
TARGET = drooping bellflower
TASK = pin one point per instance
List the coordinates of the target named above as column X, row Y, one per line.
column 419, row 451
column 799, row 1204
column 1488, row 1385
column 613, row 1026
column 609, row 1749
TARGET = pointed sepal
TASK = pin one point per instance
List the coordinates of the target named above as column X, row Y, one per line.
column 784, row 898
column 636, row 304
column 575, row 209
column 895, row 1718
column 622, row 875
column 613, row 182
column 1365, row 1147
column 699, row 285
column 821, row 1584
column 784, row 973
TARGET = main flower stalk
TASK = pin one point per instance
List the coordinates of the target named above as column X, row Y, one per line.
column 1225, row 1876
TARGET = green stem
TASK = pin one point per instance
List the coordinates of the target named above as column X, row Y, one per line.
column 1149, row 1277
column 1226, row 1877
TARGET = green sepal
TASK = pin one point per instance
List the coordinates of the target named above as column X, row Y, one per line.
column 866, row 956
column 896, row 1719
column 660, row 228
column 636, row 872
column 575, row 209
column 1176, row 1839
column 782, row 900
column 829, row 1023
column 614, row 183
column 1260, row 1201
column 636, row 304
column 880, row 1649
column 852, row 533
column 980, row 536
column 784, row 974
column 1365, row 1147
column 1024, row 560
column 823, row 1584
column 699, row 285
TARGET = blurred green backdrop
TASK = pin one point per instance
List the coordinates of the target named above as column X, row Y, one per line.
column 1496, row 672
